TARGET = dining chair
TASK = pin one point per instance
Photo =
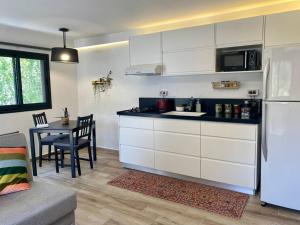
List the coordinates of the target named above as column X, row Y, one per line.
column 82, row 140
column 47, row 140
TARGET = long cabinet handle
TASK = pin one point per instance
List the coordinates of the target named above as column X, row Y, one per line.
column 265, row 79
column 264, row 144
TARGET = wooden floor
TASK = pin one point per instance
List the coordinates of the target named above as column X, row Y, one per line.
column 99, row 203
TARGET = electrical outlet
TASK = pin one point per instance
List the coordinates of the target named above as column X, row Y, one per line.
column 163, row 93
column 253, row 93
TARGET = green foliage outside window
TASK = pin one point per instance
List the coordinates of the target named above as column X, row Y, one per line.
column 7, row 82
column 32, row 83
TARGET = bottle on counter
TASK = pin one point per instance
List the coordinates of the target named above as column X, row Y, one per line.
column 198, row 106
column 65, row 118
column 236, row 110
column 245, row 111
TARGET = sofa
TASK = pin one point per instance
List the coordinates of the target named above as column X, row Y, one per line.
column 43, row 204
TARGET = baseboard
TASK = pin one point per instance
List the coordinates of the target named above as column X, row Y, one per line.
column 106, row 148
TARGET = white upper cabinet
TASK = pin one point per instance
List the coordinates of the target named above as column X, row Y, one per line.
column 189, row 62
column 188, row 38
column 145, row 49
column 282, row 29
column 240, row 32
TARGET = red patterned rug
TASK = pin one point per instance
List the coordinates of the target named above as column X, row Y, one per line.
column 217, row 200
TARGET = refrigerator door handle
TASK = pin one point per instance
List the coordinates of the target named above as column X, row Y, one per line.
column 265, row 79
column 264, row 145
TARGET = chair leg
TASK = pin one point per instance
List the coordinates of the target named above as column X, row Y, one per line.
column 56, row 160
column 78, row 161
column 40, row 155
column 90, row 157
column 49, row 152
column 62, row 158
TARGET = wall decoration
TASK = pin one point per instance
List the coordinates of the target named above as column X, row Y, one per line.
column 102, row 84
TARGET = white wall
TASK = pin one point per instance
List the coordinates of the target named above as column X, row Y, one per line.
column 63, row 81
column 126, row 90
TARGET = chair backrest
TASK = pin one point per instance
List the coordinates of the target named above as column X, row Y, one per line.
column 84, row 127
column 39, row 118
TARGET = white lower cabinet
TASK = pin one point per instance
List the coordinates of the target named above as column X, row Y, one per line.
column 136, row 137
column 229, row 173
column 184, row 144
column 180, row 164
column 137, row 156
column 215, row 151
column 231, row 150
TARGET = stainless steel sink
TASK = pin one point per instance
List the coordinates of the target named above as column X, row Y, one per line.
column 176, row 113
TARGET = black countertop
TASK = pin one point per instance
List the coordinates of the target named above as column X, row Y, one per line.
column 206, row 117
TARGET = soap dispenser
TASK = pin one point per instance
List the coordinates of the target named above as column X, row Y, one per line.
column 198, row 105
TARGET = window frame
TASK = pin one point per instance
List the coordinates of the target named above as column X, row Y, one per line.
column 20, row 106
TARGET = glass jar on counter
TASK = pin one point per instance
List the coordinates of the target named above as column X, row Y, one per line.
column 228, row 109
column 218, row 109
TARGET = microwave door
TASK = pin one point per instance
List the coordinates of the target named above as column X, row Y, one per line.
column 235, row 61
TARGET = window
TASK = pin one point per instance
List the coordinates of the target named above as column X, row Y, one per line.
column 24, row 81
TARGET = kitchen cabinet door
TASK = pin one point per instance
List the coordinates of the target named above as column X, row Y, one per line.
column 229, row 173
column 136, row 122
column 137, row 137
column 137, row 156
column 184, row 144
column 173, row 163
column 229, row 130
column 231, row 150
column 188, row 38
column 145, row 49
column 189, row 62
column 177, row 126
column 240, row 32
column 282, row 29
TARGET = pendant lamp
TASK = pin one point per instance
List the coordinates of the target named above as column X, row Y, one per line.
column 64, row 55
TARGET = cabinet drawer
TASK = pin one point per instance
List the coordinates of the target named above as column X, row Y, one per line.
column 136, row 122
column 185, row 144
column 188, row 38
column 185, row 165
column 137, row 156
column 177, row 126
column 229, row 130
column 233, row 150
column 229, row 173
column 136, row 137
column 189, row 62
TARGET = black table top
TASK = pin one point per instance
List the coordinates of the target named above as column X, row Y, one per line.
column 57, row 125
column 205, row 117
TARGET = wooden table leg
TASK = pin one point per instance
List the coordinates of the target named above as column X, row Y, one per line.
column 94, row 142
column 32, row 148
column 73, row 169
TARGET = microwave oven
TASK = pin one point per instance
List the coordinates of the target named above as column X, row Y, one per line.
column 240, row 60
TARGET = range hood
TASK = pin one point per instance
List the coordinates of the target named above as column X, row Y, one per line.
column 145, row 69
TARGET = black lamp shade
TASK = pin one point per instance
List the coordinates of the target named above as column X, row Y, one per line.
column 64, row 55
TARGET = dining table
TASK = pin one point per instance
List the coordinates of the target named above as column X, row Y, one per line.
column 57, row 127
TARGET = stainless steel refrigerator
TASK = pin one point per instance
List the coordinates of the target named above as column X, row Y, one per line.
column 280, row 160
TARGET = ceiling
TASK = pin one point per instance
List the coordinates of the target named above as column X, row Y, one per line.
column 94, row 17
